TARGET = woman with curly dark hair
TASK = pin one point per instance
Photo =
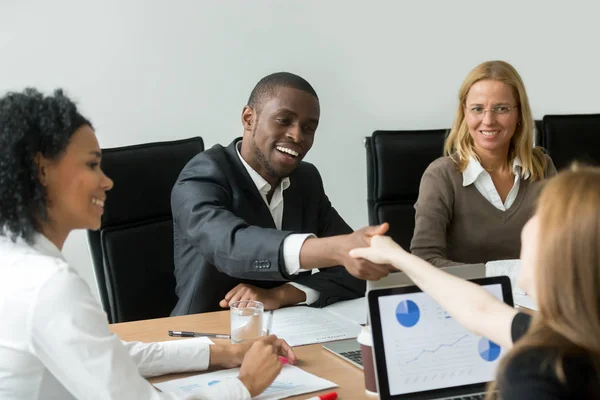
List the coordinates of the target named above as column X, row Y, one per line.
column 55, row 338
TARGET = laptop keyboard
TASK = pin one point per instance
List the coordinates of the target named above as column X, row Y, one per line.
column 480, row 396
column 353, row 355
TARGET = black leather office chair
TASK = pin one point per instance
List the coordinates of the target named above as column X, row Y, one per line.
column 538, row 139
column 132, row 252
column 570, row 138
column 396, row 161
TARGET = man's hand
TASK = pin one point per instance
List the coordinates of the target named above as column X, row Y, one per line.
column 361, row 268
column 271, row 298
column 261, row 364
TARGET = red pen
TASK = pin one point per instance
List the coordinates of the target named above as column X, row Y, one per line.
column 326, row 396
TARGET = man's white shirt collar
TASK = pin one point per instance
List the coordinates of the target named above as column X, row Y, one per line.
column 260, row 182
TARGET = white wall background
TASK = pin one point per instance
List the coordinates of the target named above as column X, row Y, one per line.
column 148, row 70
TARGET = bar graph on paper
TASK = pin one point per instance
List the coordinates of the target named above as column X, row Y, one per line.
column 280, row 386
column 276, row 386
column 290, row 382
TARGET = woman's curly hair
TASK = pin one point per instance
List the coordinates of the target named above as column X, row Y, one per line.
column 30, row 124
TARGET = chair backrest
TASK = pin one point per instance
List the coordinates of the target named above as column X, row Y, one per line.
column 570, row 138
column 396, row 161
column 132, row 252
column 538, row 139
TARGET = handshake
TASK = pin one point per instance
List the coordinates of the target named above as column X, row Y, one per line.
column 362, row 262
column 365, row 254
column 359, row 256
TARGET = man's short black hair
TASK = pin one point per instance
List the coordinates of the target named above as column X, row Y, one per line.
column 266, row 87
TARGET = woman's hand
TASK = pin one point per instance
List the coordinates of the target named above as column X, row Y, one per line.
column 261, row 364
column 382, row 251
column 227, row 355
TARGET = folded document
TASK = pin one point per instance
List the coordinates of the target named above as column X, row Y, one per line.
column 291, row 381
column 511, row 268
column 302, row 325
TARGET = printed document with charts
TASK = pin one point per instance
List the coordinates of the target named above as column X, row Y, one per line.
column 302, row 325
column 511, row 268
column 291, row 381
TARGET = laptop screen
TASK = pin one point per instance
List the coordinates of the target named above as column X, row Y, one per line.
column 424, row 349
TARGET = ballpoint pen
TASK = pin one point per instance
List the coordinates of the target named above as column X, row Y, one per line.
column 326, row 396
column 198, row 334
column 270, row 322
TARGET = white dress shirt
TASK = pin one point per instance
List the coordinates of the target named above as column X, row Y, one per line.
column 55, row 342
column 291, row 244
column 475, row 174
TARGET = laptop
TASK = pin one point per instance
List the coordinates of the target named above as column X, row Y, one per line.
column 466, row 271
column 420, row 352
column 349, row 349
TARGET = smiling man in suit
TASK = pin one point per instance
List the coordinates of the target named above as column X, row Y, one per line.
column 251, row 220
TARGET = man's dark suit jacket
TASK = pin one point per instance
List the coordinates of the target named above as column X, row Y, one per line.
column 224, row 233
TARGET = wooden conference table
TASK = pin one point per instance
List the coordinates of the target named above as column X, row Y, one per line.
column 311, row 358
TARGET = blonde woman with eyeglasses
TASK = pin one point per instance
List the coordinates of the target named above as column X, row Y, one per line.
column 554, row 353
column 474, row 201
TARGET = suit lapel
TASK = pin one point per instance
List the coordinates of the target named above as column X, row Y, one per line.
column 292, row 206
column 246, row 184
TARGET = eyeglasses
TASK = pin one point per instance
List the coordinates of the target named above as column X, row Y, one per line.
column 497, row 110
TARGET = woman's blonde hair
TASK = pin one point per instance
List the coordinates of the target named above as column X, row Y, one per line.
column 459, row 143
column 567, row 275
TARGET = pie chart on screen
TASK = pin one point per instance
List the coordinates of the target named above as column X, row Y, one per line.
column 408, row 313
column 488, row 350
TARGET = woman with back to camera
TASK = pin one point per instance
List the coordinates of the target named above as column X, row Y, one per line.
column 474, row 201
column 55, row 341
column 556, row 353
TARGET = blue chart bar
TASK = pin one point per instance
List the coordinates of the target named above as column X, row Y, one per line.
column 278, row 386
column 488, row 350
column 407, row 313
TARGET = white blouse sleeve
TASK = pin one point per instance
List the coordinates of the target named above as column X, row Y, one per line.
column 160, row 358
column 70, row 335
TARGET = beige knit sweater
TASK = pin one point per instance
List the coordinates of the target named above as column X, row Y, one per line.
column 457, row 225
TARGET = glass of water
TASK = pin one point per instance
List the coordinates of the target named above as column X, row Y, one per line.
column 246, row 320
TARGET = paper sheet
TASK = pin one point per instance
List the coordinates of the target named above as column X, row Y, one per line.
column 352, row 310
column 524, row 300
column 291, row 381
column 302, row 325
column 510, row 268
